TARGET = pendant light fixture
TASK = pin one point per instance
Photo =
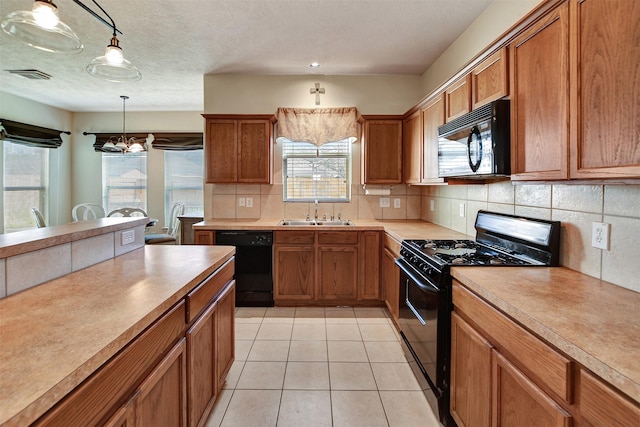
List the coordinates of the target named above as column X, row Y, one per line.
column 130, row 145
column 41, row 28
column 112, row 66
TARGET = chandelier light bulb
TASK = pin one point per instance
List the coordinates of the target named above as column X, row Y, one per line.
column 114, row 55
column 45, row 14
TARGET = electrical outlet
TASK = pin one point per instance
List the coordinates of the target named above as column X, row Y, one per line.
column 241, row 201
column 249, row 202
column 432, row 205
column 600, row 235
column 385, row 202
column 462, row 209
column 127, row 237
column 396, row 203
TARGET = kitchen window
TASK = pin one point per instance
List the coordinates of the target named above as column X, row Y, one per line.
column 312, row 172
column 124, row 181
column 183, row 180
column 25, row 184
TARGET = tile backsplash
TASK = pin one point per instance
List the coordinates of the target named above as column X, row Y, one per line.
column 576, row 206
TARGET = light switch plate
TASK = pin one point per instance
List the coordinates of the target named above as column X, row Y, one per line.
column 432, row 205
column 385, row 202
column 241, row 201
column 462, row 210
column 600, row 235
column 249, row 202
column 396, row 203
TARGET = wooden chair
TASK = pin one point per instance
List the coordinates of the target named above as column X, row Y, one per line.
column 127, row 212
column 172, row 231
column 39, row 219
column 87, row 211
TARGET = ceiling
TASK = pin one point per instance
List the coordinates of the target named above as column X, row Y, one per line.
column 175, row 42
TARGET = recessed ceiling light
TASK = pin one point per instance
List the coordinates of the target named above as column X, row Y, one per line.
column 314, row 65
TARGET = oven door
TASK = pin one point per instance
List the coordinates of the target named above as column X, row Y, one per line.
column 424, row 312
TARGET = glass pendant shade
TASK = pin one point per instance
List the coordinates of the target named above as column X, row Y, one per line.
column 112, row 66
column 41, row 28
column 110, row 146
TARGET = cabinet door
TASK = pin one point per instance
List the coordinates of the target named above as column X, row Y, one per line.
column 221, row 150
column 470, row 375
column 489, row 80
column 201, row 368
column 203, row 237
column 225, row 332
column 294, row 272
column 412, row 148
column 539, row 65
column 458, row 98
column 382, row 152
column 337, row 272
column 125, row 416
column 254, row 151
column 161, row 400
column 517, row 401
column 607, row 126
column 369, row 259
column 391, row 283
column 601, row 405
column 432, row 118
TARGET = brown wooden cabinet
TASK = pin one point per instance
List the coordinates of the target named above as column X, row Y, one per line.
column 458, row 98
column 490, row 79
column 326, row 267
column 412, row 148
column 238, row 149
column 225, row 332
column 203, row 237
column 601, row 404
column 539, row 73
column 391, row 277
column 605, row 132
column 381, row 150
column 470, row 375
column 432, row 118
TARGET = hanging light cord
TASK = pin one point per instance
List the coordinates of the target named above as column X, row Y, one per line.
column 124, row 127
column 98, row 17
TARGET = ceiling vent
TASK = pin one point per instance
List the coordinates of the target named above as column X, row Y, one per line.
column 31, row 74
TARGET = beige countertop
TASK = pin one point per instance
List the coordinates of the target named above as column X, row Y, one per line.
column 594, row 322
column 55, row 335
column 399, row 229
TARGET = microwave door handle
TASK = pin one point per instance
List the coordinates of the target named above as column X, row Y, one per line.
column 474, row 165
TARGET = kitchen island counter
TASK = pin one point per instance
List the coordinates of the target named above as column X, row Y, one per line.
column 57, row 334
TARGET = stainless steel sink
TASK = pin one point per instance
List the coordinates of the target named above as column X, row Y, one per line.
column 328, row 223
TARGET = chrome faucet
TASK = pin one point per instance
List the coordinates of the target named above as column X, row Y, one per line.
column 316, row 214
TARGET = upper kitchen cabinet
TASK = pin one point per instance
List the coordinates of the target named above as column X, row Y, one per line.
column 486, row 82
column 605, row 136
column 432, row 118
column 539, row 73
column 458, row 98
column 381, row 155
column 412, row 148
column 239, row 149
column 489, row 79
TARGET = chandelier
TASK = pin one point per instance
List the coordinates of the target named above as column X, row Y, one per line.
column 122, row 143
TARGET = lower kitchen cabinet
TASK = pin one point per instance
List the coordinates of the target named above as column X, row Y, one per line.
column 601, row 405
column 326, row 267
column 225, row 333
column 203, row 237
column 201, row 363
column 391, row 277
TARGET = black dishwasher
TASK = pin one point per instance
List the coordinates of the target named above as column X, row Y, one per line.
column 254, row 261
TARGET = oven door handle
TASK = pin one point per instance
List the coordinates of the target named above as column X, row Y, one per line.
column 423, row 283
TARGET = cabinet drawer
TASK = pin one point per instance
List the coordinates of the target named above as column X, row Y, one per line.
column 338, row 238
column 202, row 295
column 548, row 367
column 601, row 405
column 294, row 237
column 105, row 391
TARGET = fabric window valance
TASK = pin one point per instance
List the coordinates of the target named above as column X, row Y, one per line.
column 30, row 135
column 317, row 125
column 171, row 141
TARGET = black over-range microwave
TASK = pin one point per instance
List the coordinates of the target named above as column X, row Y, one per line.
column 476, row 144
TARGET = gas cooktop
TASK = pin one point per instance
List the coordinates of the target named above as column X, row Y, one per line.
column 466, row 252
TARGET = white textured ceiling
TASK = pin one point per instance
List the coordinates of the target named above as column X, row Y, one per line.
column 175, row 42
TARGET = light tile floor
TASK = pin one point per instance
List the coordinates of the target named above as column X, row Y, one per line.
column 319, row 367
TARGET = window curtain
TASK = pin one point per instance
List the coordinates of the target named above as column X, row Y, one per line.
column 171, row 141
column 317, row 125
column 30, row 135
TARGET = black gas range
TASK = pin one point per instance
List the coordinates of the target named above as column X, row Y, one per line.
column 425, row 288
